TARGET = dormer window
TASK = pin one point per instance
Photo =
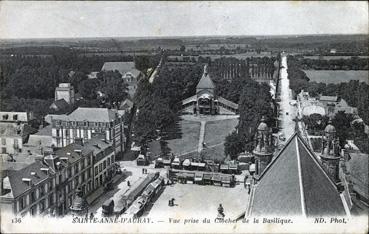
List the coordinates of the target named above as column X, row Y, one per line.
column 5, row 117
column 15, row 117
column 28, row 181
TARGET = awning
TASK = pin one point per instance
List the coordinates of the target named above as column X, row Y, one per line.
column 224, row 167
column 198, row 176
column 207, row 176
column 216, row 178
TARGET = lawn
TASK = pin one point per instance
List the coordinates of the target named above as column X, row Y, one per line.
column 336, row 76
column 188, row 140
column 216, row 131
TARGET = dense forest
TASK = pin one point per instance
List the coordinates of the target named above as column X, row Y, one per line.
column 353, row 63
column 28, row 82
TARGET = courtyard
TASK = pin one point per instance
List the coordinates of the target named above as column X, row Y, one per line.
column 199, row 201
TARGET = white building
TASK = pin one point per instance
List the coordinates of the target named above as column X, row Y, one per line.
column 65, row 91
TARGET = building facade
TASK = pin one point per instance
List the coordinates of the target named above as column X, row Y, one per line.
column 65, row 91
column 48, row 185
column 83, row 123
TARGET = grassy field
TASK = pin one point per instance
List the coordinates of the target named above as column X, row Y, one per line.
column 332, row 57
column 188, row 140
column 215, row 133
column 337, row 76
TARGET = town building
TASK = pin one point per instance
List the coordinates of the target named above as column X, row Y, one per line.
column 65, row 91
column 14, row 131
column 129, row 73
column 30, row 190
column 296, row 184
column 206, row 101
column 85, row 122
column 48, row 185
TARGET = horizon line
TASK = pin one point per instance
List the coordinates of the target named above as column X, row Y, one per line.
column 170, row 37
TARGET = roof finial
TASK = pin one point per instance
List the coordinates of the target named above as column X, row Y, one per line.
column 205, row 69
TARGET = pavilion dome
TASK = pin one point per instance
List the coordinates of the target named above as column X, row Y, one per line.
column 263, row 126
column 330, row 128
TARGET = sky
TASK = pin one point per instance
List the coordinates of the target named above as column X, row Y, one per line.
column 44, row 19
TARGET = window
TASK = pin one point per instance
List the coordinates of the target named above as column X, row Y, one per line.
column 76, row 169
column 108, row 161
column 100, row 167
column 69, row 186
column 67, row 133
column 5, row 117
column 33, row 210
column 69, row 172
column 15, row 117
column 76, row 182
column 88, row 173
column 96, row 170
column 42, row 190
column 42, row 206
column 60, row 179
column 88, row 161
column 57, row 132
column 22, row 203
column 51, row 200
column 16, row 144
column 33, row 196
column 3, row 141
column 50, row 185
column 3, row 150
column 104, row 164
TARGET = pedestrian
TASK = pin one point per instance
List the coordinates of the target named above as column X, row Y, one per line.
column 143, row 170
column 128, row 183
column 91, row 215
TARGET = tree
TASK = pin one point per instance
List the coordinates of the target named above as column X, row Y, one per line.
column 88, row 88
column 233, row 145
column 113, row 86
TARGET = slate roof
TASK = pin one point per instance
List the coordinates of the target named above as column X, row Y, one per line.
column 121, row 67
column 60, row 104
column 15, row 178
column 89, row 114
column 205, row 82
column 294, row 183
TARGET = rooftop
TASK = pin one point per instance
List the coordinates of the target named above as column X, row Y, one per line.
column 90, row 114
column 294, row 183
column 121, row 67
column 205, row 81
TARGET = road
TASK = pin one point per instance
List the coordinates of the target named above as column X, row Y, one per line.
column 287, row 111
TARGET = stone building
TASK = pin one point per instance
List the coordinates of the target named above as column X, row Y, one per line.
column 206, row 101
column 263, row 151
column 48, row 185
column 296, row 184
column 83, row 123
column 330, row 155
column 65, row 91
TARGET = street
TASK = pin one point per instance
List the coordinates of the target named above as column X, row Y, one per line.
column 287, row 111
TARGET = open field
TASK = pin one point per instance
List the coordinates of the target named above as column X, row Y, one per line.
column 336, row 76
